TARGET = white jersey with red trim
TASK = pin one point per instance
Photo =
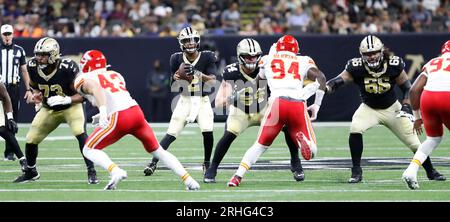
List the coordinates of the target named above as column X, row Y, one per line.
column 285, row 73
column 438, row 72
column 117, row 96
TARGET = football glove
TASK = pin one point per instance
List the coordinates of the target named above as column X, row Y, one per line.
column 12, row 126
column 314, row 109
column 95, row 119
column 189, row 69
column 103, row 121
column 59, row 100
column 406, row 111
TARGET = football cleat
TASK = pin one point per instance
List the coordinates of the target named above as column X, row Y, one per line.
column 205, row 166
column 116, row 177
column 307, row 149
column 356, row 175
column 9, row 157
column 410, row 180
column 23, row 164
column 234, row 181
column 191, row 184
column 150, row 168
column 92, row 176
column 210, row 175
column 299, row 175
column 30, row 174
column 435, row 175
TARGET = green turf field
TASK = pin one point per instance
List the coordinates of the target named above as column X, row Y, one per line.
column 63, row 174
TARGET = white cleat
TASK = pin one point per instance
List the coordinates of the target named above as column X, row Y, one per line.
column 411, row 181
column 191, row 184
column 116, row 177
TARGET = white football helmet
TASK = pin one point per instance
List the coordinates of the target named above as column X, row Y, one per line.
column 371, row 50
column 249, row 53
column 189, row 40
column 48, row 46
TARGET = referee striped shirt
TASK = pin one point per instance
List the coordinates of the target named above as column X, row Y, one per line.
column 11, row 58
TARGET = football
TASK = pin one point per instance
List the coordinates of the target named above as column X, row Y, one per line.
column 182, row 73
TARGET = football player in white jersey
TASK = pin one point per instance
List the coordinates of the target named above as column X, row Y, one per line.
column 285, row 73
column 428, row 95
column 119, row 115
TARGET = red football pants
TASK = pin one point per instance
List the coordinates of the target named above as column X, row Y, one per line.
column 287, row 112
column 435, row 112
column 129, row 121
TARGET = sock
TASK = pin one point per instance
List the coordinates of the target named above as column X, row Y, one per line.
column 296, row 163
column 171, row 162
column 355, row 142
column 423, row 152
column 100, row 158
column 208, row 142
column 250, row 157
column 31, row 153
column 165, row 143
column 221, row 149
column 11, row 142
column 81, row 140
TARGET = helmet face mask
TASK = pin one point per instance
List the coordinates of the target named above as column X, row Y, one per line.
column 249, row 53
column 47, row 47
column 189, row 40
column 371, row 50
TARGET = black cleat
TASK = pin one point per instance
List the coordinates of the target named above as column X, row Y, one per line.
column 435, row 175
column 23, row 164
column 356, row 175
column 9, row 157
column 150, row 168
column 92, row 176
column 210, row 176
column 30, row 174
column 205, row 166
column 299, row 175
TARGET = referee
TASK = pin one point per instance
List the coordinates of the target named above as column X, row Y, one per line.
column 12, row 62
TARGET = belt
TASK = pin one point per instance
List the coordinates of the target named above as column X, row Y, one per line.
column 291, row 99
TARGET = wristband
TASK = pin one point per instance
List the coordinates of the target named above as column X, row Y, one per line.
column 319, row 97
column 102, row 110
column 9, row 115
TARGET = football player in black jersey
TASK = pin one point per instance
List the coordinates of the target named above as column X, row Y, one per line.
column 376, row 73
column 52, row 78
column 247, row 101
column 193, row 103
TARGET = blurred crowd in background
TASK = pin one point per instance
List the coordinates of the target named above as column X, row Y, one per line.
column 130, row 18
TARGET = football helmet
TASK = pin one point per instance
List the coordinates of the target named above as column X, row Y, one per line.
column 371, row 50
column 189, row 40
column 446, row 47
column 287, row 43
column 48, row 46
column 92, row 60
column 249, row 53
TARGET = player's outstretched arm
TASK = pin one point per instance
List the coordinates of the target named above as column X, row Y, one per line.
column 414, row 95
column 338, row 81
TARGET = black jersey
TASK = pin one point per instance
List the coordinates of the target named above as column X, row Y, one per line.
column 205, row 63
column 376, row 88
column 58, row 81
column 252, row 96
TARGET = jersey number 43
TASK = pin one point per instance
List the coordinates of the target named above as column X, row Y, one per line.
column 112, row 82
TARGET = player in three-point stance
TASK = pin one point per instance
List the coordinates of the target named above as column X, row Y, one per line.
column 247, row 102
column 376, row 73
column 119, row 115
column 285, row 73
column 429, row 95
column 193, row 103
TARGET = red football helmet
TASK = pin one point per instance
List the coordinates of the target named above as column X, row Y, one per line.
column 287, row 43
column 92, row 60
column 446, row 47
